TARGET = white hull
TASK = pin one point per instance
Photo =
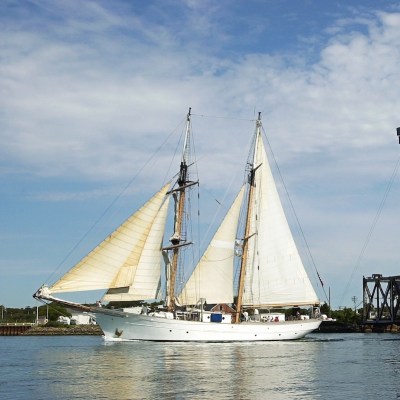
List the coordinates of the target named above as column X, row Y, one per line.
column 126, row 326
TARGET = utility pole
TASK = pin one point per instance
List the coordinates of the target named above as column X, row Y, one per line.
column 354, row 299
column 329, row 301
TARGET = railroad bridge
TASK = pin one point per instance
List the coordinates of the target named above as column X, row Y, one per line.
column 381, row 302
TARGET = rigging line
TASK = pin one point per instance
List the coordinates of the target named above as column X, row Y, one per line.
column 223, row 117
column 194, row 160
column 221, row 203
column 295, row 214
column 229, row 187
column 51, row 305
column 175, row 152
column 124, row 189
column 371, row 230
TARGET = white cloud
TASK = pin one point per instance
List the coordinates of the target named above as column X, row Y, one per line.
column 88, row 95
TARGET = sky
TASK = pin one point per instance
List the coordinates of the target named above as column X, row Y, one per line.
column 89, row 90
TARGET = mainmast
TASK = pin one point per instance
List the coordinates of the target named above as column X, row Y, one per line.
column 247, row 233
column 179, row 195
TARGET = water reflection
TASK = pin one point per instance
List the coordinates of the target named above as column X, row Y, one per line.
column 217, row 371
column 179, row 371
column 321, row 366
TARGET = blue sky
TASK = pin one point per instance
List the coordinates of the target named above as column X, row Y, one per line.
column 90, row 88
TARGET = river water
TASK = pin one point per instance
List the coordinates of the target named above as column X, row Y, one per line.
column 321, row 366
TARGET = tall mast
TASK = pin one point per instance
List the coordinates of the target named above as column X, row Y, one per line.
column 247, row 233
column 180, row 192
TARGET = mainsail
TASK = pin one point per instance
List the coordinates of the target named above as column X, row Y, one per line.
column 275, row 275
column 129, row 257
column 212, row 279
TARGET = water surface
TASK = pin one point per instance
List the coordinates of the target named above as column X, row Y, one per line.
column 322, row 366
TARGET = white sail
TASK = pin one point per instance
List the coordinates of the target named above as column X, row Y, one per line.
column 146, row 282
column 275, row 275
column 124, row 257
column 212, row 279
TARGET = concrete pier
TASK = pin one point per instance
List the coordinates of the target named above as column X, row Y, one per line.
column 41, row 330
column 16, row 329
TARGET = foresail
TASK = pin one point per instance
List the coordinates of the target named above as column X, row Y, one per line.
column 275, row 275
column 146, row 282
column 212, row 279
column 124, row 255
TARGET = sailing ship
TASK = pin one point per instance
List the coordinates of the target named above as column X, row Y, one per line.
column 128, row 266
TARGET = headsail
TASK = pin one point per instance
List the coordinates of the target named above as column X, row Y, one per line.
column 127, row 257
column 212, row 279
column 275, row 275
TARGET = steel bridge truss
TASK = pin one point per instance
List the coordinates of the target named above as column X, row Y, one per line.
column 381, row 300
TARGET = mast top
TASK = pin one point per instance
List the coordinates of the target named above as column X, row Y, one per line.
column 258, row 122
column 185, row 149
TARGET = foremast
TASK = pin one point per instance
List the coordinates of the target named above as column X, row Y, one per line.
column 247, row 232
column 179, row 194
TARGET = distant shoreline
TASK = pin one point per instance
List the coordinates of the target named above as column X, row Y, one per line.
column 95, row 330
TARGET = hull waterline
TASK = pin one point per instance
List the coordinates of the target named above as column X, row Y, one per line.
column 149, row 328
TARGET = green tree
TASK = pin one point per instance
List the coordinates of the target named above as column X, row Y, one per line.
column 346, row 315
column 53, row 311
column 325, row 309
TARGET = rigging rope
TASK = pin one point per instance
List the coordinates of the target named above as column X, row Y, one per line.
column 371, row 230
column 124, row 189
column 223, row 117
